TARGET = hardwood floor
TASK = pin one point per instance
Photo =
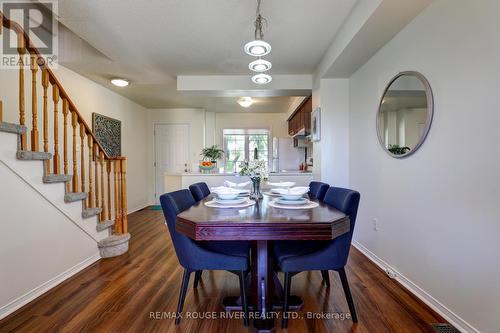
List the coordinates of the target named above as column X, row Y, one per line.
column 119, row 295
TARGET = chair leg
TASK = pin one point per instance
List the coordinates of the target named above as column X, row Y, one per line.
column 348, row 296
column 197, row 278
column 244, row 301
column 326, row 278
column 182, row 295
column 288, row 282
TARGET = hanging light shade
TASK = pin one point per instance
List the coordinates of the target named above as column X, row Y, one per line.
column 258, row 47
column 260, row 65
column 261, row 78
column 245, row 101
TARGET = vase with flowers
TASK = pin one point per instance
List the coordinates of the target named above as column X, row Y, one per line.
column 256, row 170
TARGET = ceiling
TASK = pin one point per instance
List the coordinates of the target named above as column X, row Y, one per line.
column 152, row 42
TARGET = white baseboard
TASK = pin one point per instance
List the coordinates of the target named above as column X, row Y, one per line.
column 44, row 287
column 138, row 208
column 420, row 293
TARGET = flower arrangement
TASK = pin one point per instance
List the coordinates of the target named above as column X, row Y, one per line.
column 254, row 169
column 257, row 171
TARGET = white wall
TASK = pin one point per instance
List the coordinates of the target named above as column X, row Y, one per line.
column 90, row 97
column 333, row 157
column 438, row 210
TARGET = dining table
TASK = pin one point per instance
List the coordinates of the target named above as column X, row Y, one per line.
column 262, row 225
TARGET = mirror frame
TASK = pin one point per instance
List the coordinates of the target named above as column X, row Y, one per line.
column 430, row 112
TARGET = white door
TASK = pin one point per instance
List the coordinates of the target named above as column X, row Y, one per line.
column 171, row 152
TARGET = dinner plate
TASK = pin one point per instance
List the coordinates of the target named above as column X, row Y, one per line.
column 282, row 201
column 230, row 202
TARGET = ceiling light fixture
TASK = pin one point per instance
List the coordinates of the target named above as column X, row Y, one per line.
column 245, row 101
column 260, row 65
column 120, row 82
column 261, row 78
column 258, row 47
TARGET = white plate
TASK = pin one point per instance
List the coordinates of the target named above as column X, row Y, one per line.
column 291, row 197
column 308, row 205
column 245, row 204
column 230, row 202
column 282, row 184
column 301, row 201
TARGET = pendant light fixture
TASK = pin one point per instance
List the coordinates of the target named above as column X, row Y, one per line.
column 259, row 48
column 245, row 101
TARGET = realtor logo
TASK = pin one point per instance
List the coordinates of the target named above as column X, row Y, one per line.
column 38, row 21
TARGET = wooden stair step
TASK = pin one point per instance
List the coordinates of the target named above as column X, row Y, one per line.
column 75, row 196
column 12, row 128
column 33, row 155
column 89, row 212
column 105, row 225
column 114, row 245
column 52, row 178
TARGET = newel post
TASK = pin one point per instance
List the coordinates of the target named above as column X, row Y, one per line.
column 124, row 195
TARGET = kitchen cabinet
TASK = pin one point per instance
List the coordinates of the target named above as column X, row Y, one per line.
column 301, row 118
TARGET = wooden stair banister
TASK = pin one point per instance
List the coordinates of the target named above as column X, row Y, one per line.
column 87, row 176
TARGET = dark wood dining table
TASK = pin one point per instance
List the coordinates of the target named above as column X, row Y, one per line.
column 262, row 225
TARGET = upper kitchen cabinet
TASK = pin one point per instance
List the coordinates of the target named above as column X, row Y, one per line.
column 301, row 118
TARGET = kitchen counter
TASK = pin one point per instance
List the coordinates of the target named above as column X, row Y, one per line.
column 177, row 181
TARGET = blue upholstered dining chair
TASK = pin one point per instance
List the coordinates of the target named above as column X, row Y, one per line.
column 293, row 257
column 199, row 191
column 317, row 190
column 194, row 256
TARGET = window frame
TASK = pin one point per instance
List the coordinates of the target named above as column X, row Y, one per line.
column 246, row 132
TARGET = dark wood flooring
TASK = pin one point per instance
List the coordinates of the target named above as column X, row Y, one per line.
column 119, row 295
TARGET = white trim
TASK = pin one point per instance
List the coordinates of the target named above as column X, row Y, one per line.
column 419, row 292
column 138, row 208
column 46, row 286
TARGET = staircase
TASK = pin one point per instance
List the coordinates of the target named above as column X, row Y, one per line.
column 71, row 156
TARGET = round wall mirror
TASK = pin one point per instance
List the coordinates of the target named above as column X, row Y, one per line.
column 405, row 114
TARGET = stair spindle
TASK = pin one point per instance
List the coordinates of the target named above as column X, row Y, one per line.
column 117, row 197
column 103, row 203
column 1, row 111
column 21, row 49
column 55, row 98
column 91, row 188
column 108, row 170
column 65, row 138
column 45, row 84
column 34, row 129
column 82, row 159
column 124, row 195
column 74, row 122
column 96, row 175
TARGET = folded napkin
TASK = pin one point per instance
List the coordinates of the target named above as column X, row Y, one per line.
column 224, row 190
column 237, row 185
column 282, row 184
column 299, row 190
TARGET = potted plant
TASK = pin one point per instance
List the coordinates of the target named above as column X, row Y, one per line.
column 257, row 171
column 210, row 157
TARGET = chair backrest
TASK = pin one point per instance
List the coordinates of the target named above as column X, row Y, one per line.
column 199, row 191
column 172, row 204
column 347, row 201
column 317, row 190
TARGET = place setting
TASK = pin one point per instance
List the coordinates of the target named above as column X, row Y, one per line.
column 230, row 197
column 292, row 198
column 278, row 185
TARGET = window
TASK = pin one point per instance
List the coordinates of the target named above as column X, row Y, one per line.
column 240, row 145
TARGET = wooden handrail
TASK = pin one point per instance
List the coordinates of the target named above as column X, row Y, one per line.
column 53, row 79
column 87, row 175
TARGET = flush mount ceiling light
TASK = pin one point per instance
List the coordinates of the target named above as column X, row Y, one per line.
column 261, row 78
column 120, row 82
column 258, row 47
column 245, row 101
column 260, row 65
